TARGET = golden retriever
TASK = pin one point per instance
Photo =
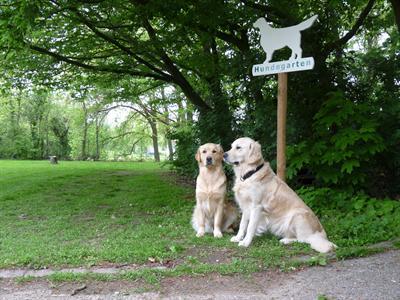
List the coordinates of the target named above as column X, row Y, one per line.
column 211, row 213
column 268, row 203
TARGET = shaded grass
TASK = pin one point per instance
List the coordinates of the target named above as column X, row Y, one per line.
column 99, row 213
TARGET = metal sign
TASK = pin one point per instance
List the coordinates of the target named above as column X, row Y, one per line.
column 276, row 38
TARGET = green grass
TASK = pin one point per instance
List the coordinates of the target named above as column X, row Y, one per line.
column 95, row 213
column 83, row 213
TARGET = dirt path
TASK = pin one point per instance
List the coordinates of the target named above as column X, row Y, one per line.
column 374, row 277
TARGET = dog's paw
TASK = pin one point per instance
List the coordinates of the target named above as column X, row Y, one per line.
column 218, row 234
column 200, row 234
column 230, row 230
column 286, row 241
column 236, row 239
column 244, row 243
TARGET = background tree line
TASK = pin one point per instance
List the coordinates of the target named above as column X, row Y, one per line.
column 37, row 123
column 343, row 116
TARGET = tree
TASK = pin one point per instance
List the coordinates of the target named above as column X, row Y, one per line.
column 60, row 127
column 206, row 54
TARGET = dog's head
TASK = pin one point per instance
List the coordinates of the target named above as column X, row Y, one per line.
column 260, row 22
column 244, row 151
column 209, row 155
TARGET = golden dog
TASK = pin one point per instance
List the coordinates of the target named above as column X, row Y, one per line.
column 268, row 203
column 211, row 213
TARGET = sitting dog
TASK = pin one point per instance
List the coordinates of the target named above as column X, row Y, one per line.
column 211, row 213
column 268, row 203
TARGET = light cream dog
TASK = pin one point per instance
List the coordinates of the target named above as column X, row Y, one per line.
column 211, row 213
column 268, row 203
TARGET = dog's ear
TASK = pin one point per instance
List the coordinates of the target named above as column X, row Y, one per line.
column 220, row 149
column 255, row 154
column 220, row 152
column 198, row 155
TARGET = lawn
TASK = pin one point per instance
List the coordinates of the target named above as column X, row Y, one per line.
column 101, row 213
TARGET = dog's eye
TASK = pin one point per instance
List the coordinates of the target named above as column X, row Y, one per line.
column 214, row 151
column 204, row 151
column 238, row 147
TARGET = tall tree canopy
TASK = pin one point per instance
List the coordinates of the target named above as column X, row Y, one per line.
column 206, row 49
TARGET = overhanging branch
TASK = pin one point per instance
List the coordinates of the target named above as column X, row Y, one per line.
column 107, row 139
column 178, row 77
column 113, row 41
column 352, row 32
column 114, row 70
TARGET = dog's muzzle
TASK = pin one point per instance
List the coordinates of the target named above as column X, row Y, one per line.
column 209, row 161
column 236, row 163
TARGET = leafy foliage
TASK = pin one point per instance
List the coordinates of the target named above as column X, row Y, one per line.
column 185, row 150
column 354, row 217
column 205, row 50
column 345, row 139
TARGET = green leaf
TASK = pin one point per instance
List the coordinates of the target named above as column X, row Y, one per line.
column 349, row 165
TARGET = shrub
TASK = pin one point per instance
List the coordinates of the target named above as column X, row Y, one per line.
column 345, row 140
column 186, row 146
column 354, row 218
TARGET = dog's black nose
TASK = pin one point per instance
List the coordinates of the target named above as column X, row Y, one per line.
column 209, row 158
column 225, row 155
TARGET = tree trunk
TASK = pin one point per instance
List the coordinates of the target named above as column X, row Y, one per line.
column 84, row 135
column 47, row 137
column 154, row 137
column 170, row 150
column 396, row 10
column 39, row 136
column 34, row 137
column 18, row 111
column 181, row 114
column 189, row 113
column 167, row 123
column 97, row 138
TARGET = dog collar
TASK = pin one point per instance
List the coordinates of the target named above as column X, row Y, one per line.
column 248, row 174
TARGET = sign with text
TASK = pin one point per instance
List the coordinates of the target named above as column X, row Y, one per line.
column 276, row 38
column 293, row 65
column 273, row 39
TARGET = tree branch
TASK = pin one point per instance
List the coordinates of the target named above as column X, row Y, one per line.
column 113, row 41
column 396, row 10
column 95, row 56
column 126, row 71
column 241, row 44
column 145, row 113
column 176, row 76
column 342, row 41
column 179, row 79
column 118, row 136
column 159, row 116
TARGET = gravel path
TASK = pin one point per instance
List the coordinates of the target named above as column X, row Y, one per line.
column 374, row 277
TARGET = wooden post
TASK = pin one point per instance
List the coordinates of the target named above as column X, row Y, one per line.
column 281, row 128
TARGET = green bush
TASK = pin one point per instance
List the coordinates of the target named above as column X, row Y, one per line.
column 345, row 139
column 185, row 149
column 354, row 218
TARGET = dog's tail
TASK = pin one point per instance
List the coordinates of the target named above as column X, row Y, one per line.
column 319, row 243
column 307, row 23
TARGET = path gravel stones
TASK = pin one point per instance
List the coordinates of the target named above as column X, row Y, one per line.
column 373, row 277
